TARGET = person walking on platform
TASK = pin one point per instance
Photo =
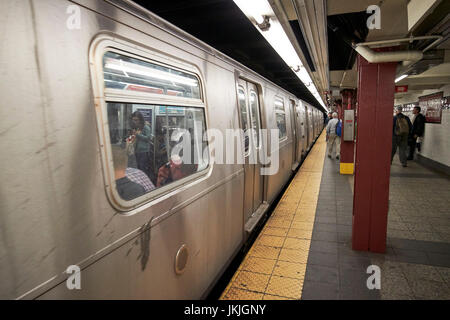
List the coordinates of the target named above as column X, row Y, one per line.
column 401, row 130
column 332, row 137
column 418, row 128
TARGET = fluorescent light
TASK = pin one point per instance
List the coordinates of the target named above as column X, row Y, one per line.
column 304, row 75
column 277, row 38
column 400, row 78
column 255, row 9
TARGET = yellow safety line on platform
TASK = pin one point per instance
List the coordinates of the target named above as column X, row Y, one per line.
column 275, row 266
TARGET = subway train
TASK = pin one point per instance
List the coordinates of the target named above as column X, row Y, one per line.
column 93, row 203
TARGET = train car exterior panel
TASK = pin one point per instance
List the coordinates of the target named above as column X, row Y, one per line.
column 57, row 210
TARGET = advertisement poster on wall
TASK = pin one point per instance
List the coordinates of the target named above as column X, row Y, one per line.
column 431, row 106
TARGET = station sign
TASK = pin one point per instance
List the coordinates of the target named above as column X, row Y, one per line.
column 401, row 89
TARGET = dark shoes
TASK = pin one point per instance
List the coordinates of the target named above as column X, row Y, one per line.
column 404, row 165
column 337, row 157
column 410, row 158
column 329, row 156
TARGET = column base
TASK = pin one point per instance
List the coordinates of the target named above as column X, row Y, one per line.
column 346, row 168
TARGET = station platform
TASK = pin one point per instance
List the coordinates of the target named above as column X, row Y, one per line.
column 304, row 250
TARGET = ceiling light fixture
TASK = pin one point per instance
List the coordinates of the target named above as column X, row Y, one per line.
column 265, row 25
column 260, row 10
column 401, row 78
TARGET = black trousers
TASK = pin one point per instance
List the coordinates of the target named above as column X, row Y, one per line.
column 412, row 146
column 402, row 143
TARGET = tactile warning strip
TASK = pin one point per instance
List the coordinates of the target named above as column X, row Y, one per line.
column 275, row 266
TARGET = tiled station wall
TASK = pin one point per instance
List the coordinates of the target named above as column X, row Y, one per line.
column 436, row 143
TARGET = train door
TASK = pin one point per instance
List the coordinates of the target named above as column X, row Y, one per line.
column 304, row 137
column 295, row 133
column 249, row 107
column 307, row 133
column 311, row 126
column 314, row 123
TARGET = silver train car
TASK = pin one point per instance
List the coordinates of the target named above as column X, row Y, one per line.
column 86, row 85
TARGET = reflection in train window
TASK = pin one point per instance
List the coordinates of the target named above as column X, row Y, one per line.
column 254, row 117
column 155, row 145
column 126, row 73
column 280, row 117
column 244, row 116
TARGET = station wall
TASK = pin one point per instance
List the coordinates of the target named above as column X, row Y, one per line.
column 436, row 140
column 436, row 144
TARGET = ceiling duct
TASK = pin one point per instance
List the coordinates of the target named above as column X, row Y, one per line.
column 430, row 59
column 392, row 56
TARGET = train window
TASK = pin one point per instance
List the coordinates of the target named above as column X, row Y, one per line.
column 244, row 116
column 280, row 117
column 254, row 116
column 149, row 148
column 126, row 73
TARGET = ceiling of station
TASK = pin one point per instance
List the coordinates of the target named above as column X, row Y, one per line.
column 436, row 21
column 222, row 25
column 394, row 25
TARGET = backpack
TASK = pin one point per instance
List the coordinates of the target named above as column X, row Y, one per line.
column 401, row 127
column 339, row 128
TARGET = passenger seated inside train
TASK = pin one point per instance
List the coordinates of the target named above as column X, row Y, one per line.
column 174, row 170
column 130, row 182
column 148, row 163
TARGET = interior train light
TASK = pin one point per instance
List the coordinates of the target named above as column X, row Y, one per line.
column 127, row 67
column 257, row 11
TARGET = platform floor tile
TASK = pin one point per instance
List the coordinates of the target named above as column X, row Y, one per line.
column 275, row 266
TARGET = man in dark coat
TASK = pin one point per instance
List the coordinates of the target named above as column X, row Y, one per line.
column 418, row 128
column 401, row 132
column 328, row 118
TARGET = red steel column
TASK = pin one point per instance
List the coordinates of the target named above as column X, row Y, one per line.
column 347, row 147
column 373, row 155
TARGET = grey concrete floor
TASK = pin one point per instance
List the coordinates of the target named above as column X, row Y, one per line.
column 416, row 264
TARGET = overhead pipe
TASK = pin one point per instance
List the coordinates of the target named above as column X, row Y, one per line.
column 410, row 39
column 410, row 56
column 394, row 56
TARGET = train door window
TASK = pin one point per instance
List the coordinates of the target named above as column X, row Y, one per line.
column 280, row 117
column 244, row 116
column 254, row 116
column 153, row 145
